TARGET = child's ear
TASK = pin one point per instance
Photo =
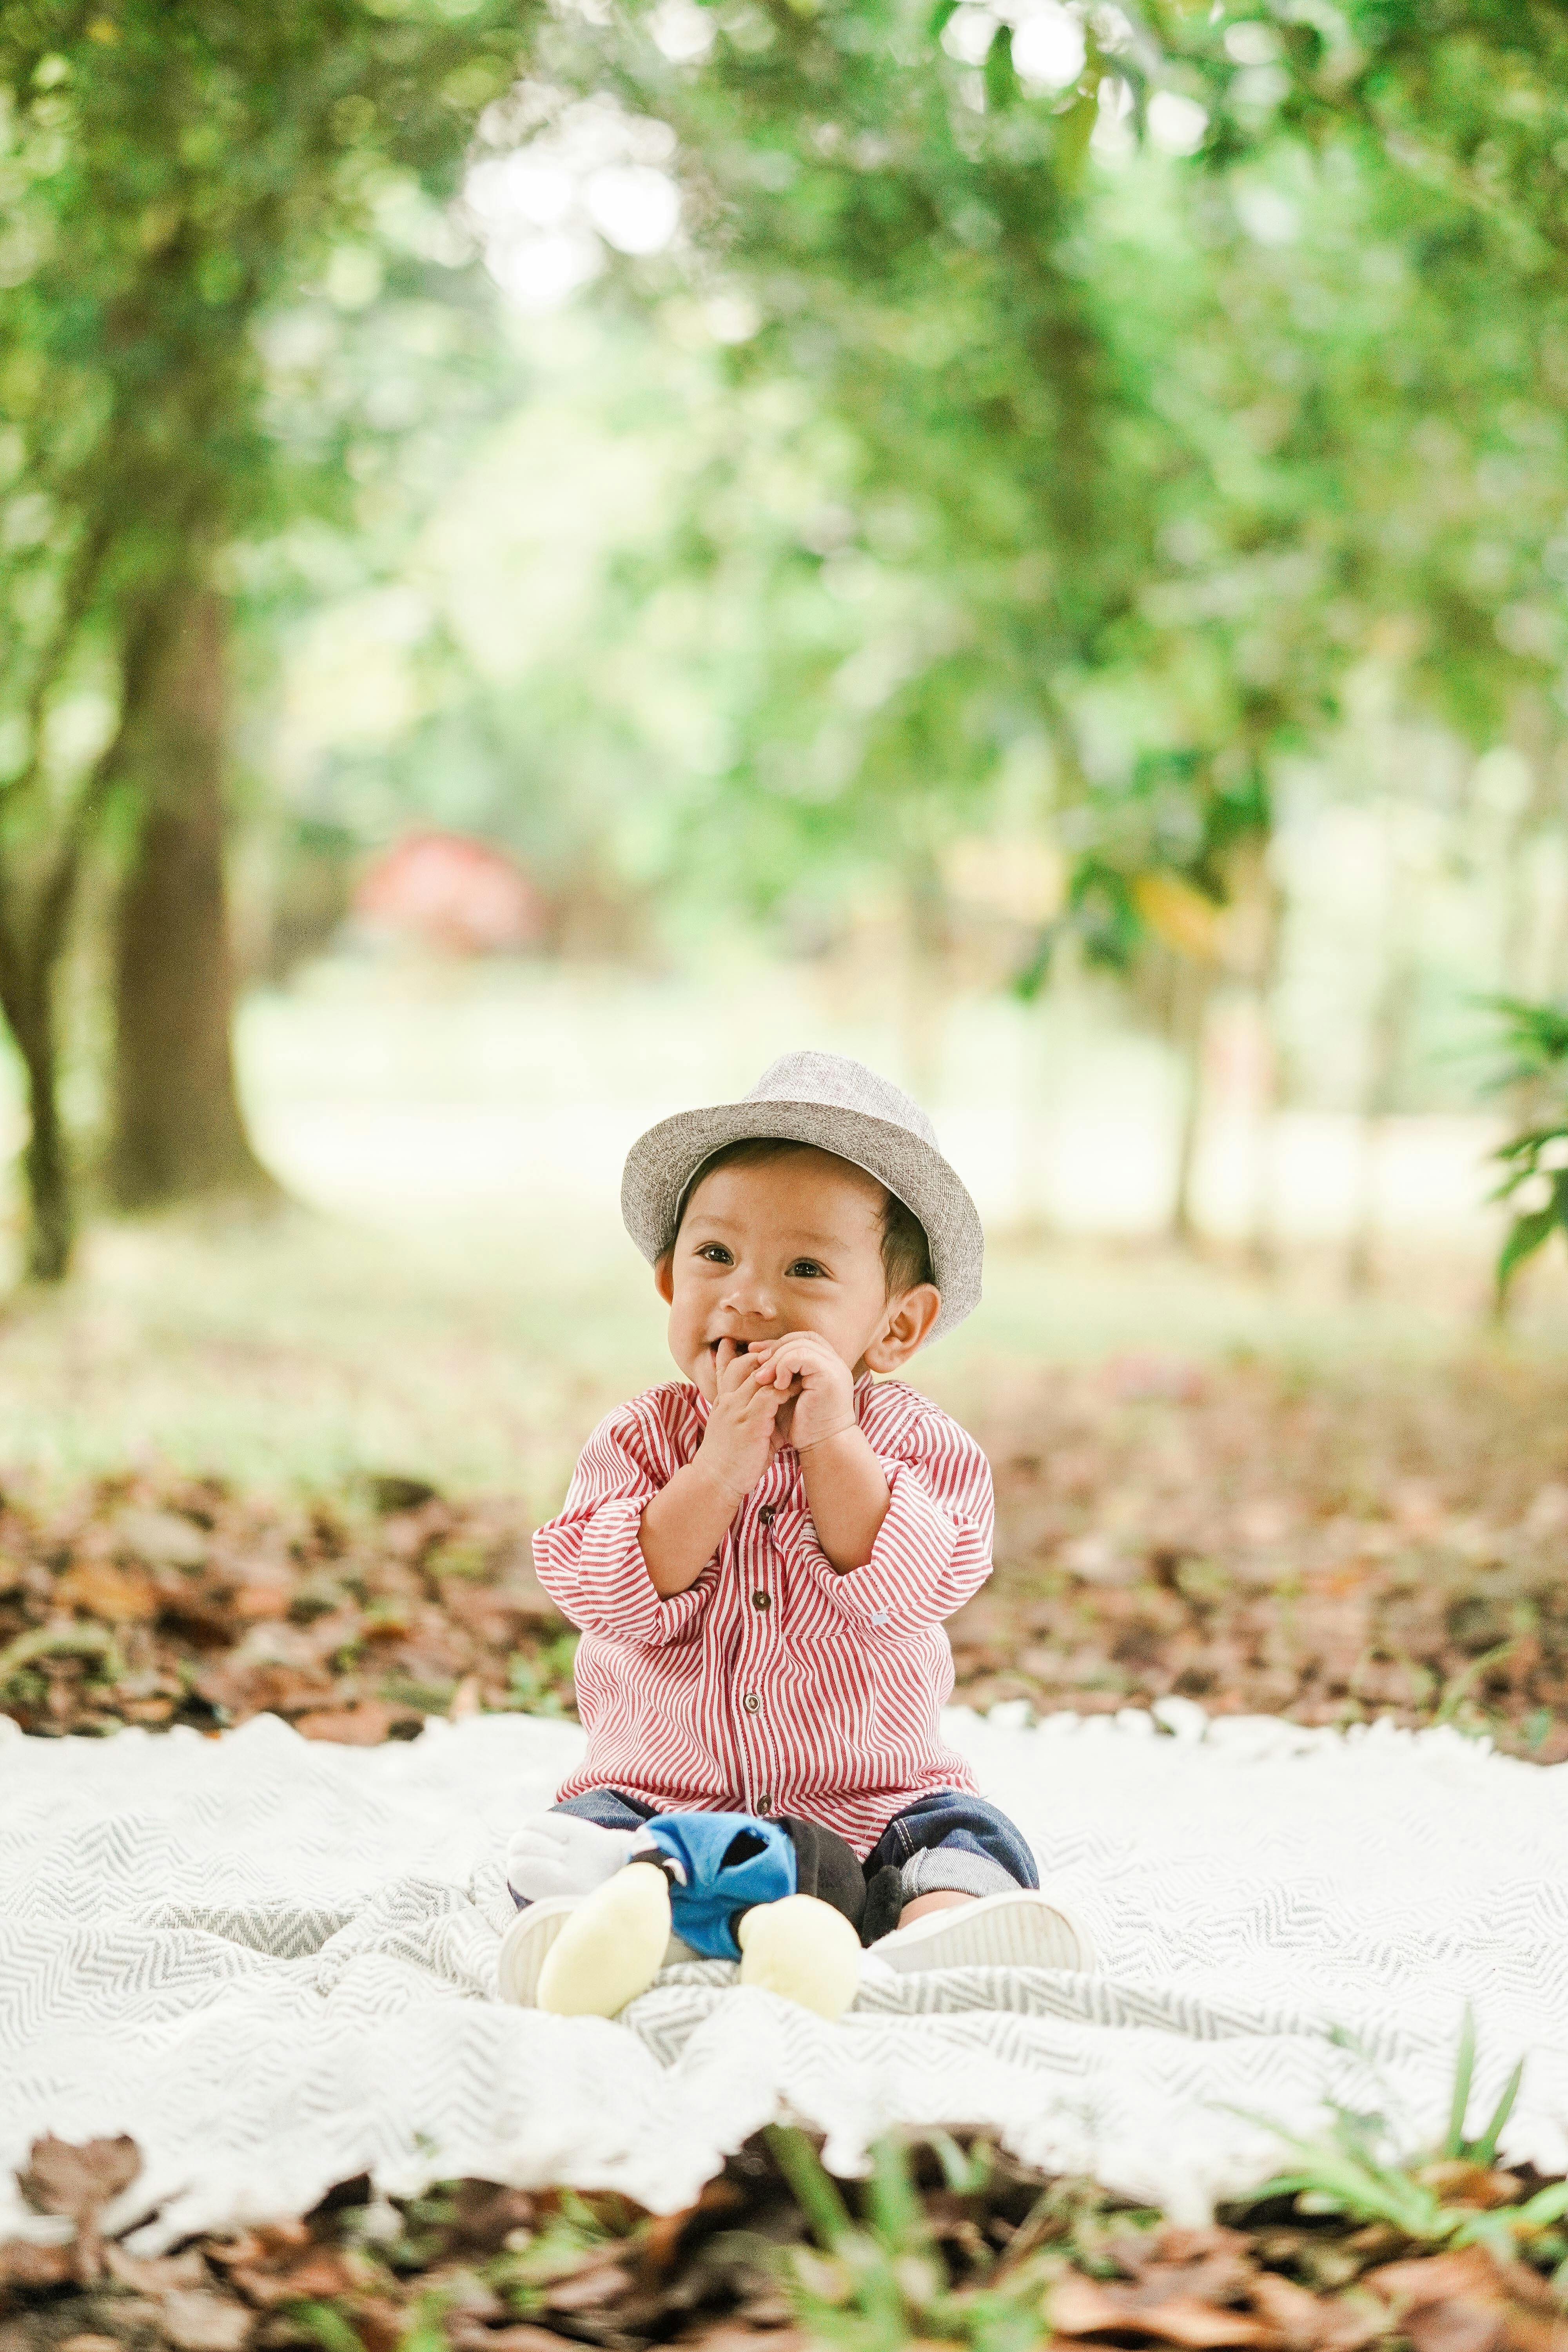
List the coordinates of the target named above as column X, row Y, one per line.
column 908, row 1327
column 664, row 1277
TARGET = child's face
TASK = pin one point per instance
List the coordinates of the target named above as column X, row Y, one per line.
column 786, row 1244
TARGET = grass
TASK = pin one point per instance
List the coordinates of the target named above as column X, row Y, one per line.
column 477, row 1351
column 456, row 1298
column 1451, row 2195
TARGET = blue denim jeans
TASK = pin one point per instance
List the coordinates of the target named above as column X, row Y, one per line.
column 947, row 1840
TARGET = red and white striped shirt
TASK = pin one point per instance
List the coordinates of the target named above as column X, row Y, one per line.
column 773, row 1684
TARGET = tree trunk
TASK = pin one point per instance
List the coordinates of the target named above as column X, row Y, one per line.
column 1192, row 988
column 51, row 1219
column 1388, row 1029
column 178, row 1132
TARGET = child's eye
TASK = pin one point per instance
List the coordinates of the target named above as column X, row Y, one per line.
column 806, row 1266
column 716, row 1253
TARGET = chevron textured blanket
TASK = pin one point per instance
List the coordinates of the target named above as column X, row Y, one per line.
column 273, row 1963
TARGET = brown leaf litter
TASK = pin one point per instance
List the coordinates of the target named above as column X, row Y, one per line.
column 478, row 2267
column 1328, row 1547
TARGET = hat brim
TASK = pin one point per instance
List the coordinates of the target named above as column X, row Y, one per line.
column 661, row 1164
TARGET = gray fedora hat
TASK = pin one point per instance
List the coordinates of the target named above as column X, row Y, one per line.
column 841, row 1107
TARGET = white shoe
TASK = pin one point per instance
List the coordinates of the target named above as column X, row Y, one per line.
column 527, row 1945
column 1020, row 1929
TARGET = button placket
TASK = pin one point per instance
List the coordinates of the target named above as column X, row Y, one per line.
column 761, row 1623
column 761, row 1599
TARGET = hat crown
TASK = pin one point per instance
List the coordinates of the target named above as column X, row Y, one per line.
column 808, row 1076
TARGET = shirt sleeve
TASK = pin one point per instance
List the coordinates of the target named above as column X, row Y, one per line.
column 932, row 1551
column 589, row 1560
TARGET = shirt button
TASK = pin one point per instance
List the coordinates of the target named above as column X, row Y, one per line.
column 764, row 1799
column 760, row 1601
column 750, row 1701
column 766, row 1515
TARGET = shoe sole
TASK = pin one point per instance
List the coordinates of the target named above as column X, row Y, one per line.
column 527, row 1945
column 1000, row 1931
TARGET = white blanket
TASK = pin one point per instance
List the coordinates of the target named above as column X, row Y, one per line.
column 273, row 1963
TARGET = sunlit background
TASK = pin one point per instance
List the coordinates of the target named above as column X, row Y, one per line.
column 687, row 646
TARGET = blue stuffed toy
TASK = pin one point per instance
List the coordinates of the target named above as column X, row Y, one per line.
column 781, row 1897
column 719, row 1866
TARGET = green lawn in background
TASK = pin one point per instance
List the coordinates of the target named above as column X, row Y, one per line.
column 302, row 1349
column 455, row 1297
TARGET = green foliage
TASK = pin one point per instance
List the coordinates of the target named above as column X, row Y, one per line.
column 947, row 529
column 1015, row 474
column 172, row 175
column 540, row 1681
column 1351, row 2173
column 1535, row 1161
column 875, row 2288
column 1109, row 469
column 324, row 2323
column 1456, row 2146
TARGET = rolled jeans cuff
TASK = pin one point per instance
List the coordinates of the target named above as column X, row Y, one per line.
column 938, row 1869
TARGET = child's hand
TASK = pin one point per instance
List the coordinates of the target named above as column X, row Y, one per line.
column 814, row 1382
column 742, row 1437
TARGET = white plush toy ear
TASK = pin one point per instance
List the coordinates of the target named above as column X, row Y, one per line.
column 804, row 1949
column 612, row 1946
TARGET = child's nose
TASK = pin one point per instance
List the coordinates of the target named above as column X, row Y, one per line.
column 750, row 1294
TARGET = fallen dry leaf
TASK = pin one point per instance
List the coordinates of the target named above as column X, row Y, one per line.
column 1467, row 2301
column 599, row 2282
column 120, row 1596
column 154, row 2273
column 380, row 2324
column 1461, row 2183
column 1468, row 2270
column 729, row 2336
column 485, row 2216
column 315, row 2275
column 32, row 2268
column 1085, row 2307
column 77, row 2180
column 1312, row 2323
column 163, row 1538
column 196, row 2320
column 355, row 1726
column 1378, row 1541
column 469, row 2335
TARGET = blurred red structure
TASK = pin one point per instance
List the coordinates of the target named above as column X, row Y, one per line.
column 445, row 891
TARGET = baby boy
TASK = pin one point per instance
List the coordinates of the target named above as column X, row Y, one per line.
column 761, row 1555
